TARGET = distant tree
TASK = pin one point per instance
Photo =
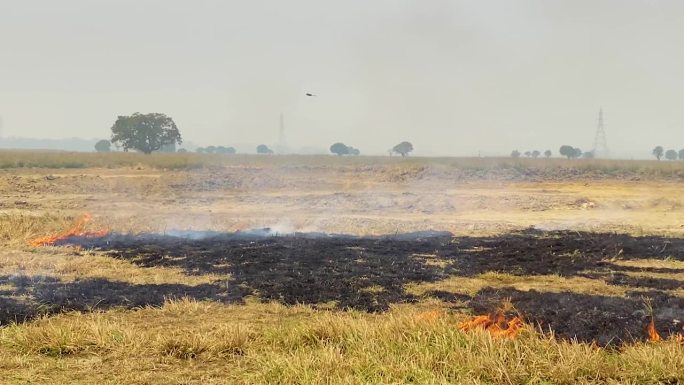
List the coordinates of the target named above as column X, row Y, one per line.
column 182, row 151
column 103, row 146
column 403, row 148
column 671, row 155
column 353, row 151
column 578, row 152
column 548, row 153
column 200, row 150
column 225, row 150
column 588, row 155
column 263, row 149
column 145, row 132
column 528, row 154
column 681, row 154
column 658, row 152
column 210, row 150
column 535, row 154
column 568, row 151
column 339, row 149
column 515, row 154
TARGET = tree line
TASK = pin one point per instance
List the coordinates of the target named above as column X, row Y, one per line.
column 659, row 152
column 148, row 133
column 569, row 152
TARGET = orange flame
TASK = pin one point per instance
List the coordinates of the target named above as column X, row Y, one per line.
column 653, row 335
column 76, row 230
column 496, row 324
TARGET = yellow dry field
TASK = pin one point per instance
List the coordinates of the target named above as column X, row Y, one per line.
column 351, row 199
column 58, row 330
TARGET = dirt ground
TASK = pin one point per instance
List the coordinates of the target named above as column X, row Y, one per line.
column 580, row 256
column 349, row 199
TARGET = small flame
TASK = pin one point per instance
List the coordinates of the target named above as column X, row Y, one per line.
column 76, row 230
column 496, row 324
column 653, row 335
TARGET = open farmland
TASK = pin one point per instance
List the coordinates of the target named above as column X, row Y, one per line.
column 294, row 269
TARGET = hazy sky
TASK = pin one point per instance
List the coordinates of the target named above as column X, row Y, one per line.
column 453, row 77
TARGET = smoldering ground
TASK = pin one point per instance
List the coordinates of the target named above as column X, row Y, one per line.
column 373, row 273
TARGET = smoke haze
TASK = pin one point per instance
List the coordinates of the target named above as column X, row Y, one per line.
column 452, row 77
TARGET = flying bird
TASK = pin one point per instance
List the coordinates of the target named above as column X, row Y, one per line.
column 310, row 94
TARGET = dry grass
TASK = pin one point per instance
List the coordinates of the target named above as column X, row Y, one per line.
column 199, row 343
column 10, row 159
column 16, row 229
column 190, row 342
column 87, row 265
column 652, row 263
column 540, row 283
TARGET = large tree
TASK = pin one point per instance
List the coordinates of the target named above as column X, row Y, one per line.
column 403, row 148
column 681, row 154
column 145, row 132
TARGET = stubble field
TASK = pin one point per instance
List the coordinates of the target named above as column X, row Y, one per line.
column 286, row 269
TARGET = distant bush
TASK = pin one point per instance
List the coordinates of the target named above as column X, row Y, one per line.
column 342, row 149
column 225, row 150
column 263, row 149
column 339, row 149
column 103, row 146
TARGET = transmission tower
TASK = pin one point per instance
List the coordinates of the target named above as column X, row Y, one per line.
column 600, row 142
column 281, row 139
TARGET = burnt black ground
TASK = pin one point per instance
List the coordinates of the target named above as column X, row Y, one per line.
column 370, row 274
